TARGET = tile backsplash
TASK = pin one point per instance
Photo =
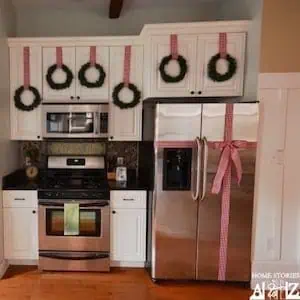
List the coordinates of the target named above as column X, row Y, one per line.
column 112, row 150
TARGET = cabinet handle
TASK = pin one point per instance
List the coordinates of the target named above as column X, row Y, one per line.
column 128, row 199
column 114, row 212
column 38, row 137
column 111, row 137
column 199, row 92
column 34, row 212
column 72, row 97
column 19, row 199
column 78, row 97
column 192, row 92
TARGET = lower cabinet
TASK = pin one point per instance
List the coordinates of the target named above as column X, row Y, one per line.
column 20, row 233
column 20, row 222
column 128, row 228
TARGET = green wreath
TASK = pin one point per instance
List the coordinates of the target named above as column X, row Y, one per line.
column 18, row 98
column 83, row 80
column 59, row 86
column 183, row 69
column 136, row 96
column 215, row 75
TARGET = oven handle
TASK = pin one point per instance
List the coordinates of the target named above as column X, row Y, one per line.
column 81, row 204
column 77, row 256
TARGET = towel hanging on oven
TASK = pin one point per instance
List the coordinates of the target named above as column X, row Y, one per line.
column 71, row 219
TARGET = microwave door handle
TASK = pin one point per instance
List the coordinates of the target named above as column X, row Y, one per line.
column 205, row 162
column 195, row 195
column 97, row 124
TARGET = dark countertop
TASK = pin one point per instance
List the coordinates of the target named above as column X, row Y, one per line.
column 18, row 181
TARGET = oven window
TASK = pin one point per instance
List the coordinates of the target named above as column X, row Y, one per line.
column 70, row 123
column 89, row 222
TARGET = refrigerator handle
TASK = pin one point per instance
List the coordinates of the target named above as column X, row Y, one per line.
column 196, row 195
column 205, row 162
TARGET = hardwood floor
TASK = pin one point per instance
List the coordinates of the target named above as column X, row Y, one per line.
column 27, row 283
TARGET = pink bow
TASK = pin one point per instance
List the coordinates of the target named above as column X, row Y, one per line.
column 230, row 153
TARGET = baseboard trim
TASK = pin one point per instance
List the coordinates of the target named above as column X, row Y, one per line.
column 260, row 268
column 3, row 268
column 23, row 262
column 128, row 264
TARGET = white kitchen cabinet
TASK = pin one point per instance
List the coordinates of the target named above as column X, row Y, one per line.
column 128, row 228
column 20, row 233
column 74, row 58
column 99, row 94
column 25, row 125
column 126, row 124
column 49, row 59
column 197, row 50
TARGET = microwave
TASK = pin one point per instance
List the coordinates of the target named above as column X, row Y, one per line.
column 75, row 120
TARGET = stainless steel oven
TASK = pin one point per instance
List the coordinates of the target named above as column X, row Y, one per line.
column 75, row 121
column 91, row 245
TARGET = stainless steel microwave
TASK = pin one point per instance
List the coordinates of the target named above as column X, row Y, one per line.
column 75, row 121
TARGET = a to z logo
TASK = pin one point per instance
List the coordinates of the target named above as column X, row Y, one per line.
column 288, row 292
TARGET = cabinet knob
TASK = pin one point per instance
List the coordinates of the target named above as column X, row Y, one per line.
column 114, row 212
column 199, row 92
column 72, row 97
column 38, row 137
column 78, row 97
column 111, row 137
column 192, row 92
column 34, row 212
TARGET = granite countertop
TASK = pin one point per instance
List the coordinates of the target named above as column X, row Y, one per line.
column 18, row 181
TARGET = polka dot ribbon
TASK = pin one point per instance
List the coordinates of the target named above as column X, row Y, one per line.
column 174, row 45
column 222, row 182
column 127, row 63
column 59, row 56
column 26, row 61
column 223, row 44
column 93, row 53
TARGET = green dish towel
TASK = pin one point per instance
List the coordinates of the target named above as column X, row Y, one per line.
column 71, row 219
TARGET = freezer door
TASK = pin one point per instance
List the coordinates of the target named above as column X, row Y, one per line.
column 174, row 215
column 245, row 122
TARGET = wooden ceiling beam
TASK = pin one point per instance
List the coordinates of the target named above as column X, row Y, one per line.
column 115, row 8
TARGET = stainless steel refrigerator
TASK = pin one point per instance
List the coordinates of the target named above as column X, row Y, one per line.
column 180, row 154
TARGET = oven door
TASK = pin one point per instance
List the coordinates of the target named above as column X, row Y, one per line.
column 75, row 121
column 93, row 226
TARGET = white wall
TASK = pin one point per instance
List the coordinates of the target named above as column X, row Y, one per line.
column 247, row 10
column 87, row 22
column 8, row 150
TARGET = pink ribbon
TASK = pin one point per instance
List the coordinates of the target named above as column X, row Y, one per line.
column 222, row 181
column 127, row 62
column 26, row 61
column 174, row 46
column 93, row 52
column 223, row 44
column 59, row 56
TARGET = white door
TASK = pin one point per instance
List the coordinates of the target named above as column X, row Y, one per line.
column 49, row 58
column 128, row 235
column 187, row 47
column 99, row 94
column 20, row 233
column 209, row 43
column 126, row 124
column 25, row 125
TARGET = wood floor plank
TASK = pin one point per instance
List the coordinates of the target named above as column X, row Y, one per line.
column 27, row 283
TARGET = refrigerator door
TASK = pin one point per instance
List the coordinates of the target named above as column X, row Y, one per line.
column 245, row 123
column 174, row 228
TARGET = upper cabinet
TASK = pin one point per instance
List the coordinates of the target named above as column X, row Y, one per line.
column 74, row 58
column 25, row 125
column 126, row 124
column 197, row 50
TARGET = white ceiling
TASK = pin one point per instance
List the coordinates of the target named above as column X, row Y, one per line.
column 102, row 4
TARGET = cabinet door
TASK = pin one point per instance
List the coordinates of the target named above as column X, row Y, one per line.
column 20, row 233
column 102, row 58
column 126, row 124
column 25, row 125
column 128, row 235
column 49, row 58
column 187, row 47
column 236, row 48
